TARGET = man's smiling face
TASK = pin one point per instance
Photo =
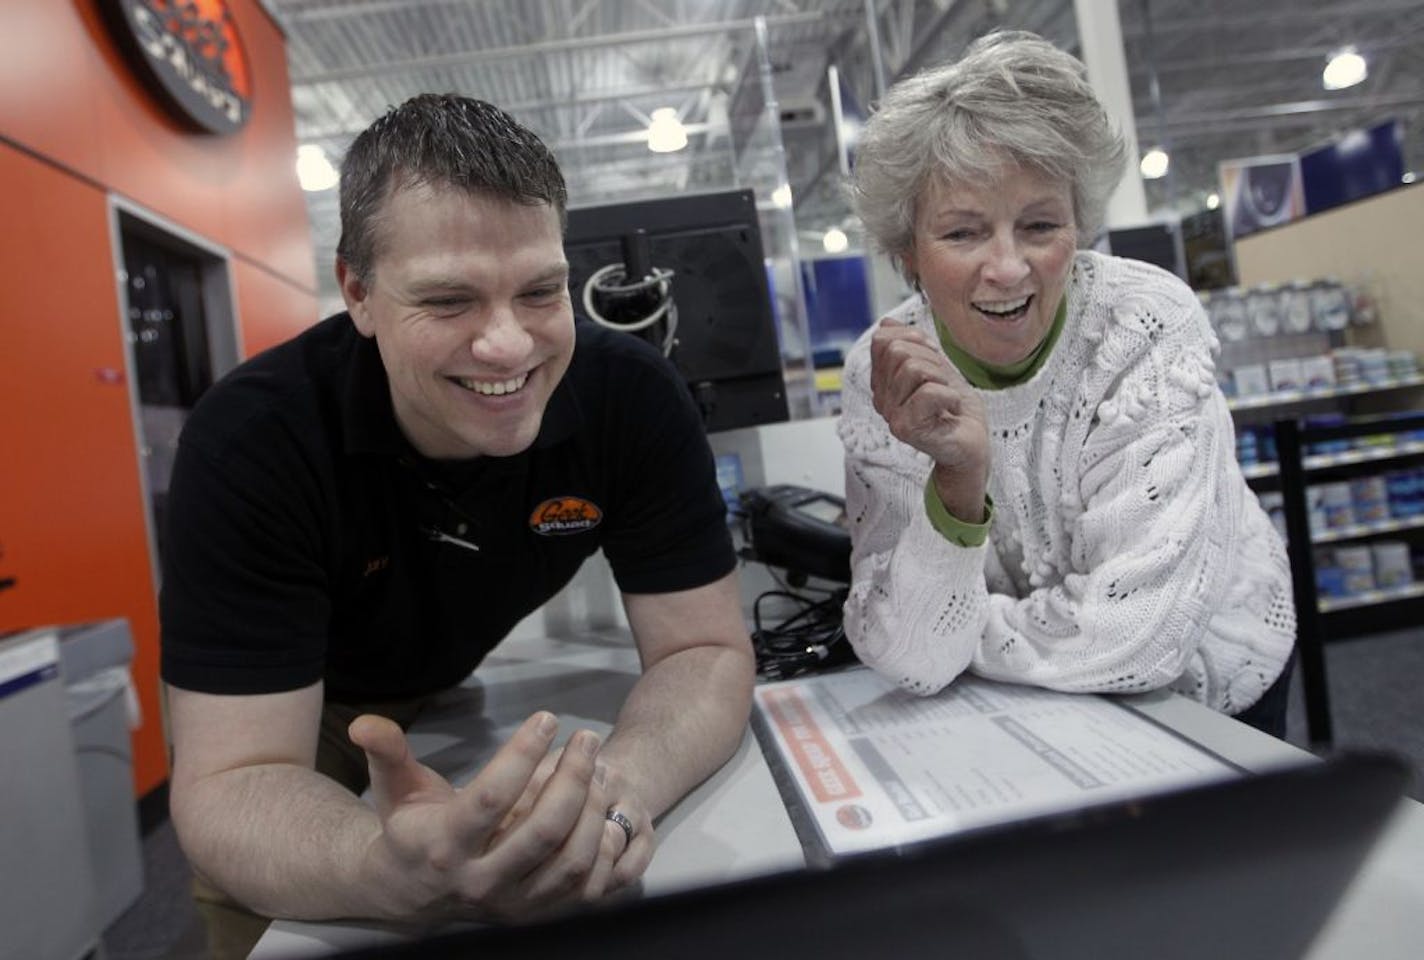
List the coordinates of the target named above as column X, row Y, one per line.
column 468, row 302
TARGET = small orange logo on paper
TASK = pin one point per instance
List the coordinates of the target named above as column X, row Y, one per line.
column 853, row 816
column 560, row 516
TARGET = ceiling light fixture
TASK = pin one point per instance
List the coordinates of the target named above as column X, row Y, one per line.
column 1154, row 164
column 1345, row 69
column 781, row 197
column 666, row 134
column 314, row 170
column 835, row 240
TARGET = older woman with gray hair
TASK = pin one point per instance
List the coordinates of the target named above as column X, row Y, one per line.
column 1040, row 469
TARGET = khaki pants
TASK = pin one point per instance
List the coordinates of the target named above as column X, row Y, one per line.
column 232, row 929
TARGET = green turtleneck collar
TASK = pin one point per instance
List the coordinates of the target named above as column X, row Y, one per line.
column 988, row 376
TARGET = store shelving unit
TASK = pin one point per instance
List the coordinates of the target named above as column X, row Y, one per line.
column 1359, row 531
column 1289, row 397
column 1322, row 461
column 1371, row 597
column 1320, row 619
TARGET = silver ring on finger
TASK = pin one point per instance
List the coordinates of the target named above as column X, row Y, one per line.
column 621, row 818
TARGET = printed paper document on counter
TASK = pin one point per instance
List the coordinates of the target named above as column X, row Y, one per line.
column 875, row 766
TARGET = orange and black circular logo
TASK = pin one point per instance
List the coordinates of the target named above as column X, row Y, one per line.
column 560, row 516
column 190, row 53
column 854, row 817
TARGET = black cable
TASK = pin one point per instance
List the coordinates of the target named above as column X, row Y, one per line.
column 817, row 614
column 811, row 637
column 783, row 584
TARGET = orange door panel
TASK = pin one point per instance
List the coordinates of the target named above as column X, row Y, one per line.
column 72, row 524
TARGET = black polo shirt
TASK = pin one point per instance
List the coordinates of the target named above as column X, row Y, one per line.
column 306, row 539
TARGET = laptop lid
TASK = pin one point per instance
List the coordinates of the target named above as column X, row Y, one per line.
column 1247, row 868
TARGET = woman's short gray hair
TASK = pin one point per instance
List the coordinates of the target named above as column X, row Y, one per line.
column 1013, row 95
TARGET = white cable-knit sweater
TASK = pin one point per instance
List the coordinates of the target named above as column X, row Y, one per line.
column 1126, row 552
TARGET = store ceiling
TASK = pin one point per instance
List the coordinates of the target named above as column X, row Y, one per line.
column 1234, row 79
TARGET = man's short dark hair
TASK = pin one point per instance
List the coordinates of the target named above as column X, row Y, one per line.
column 440, row 140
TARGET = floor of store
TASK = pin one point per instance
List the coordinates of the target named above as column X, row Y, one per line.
column 1375, row 686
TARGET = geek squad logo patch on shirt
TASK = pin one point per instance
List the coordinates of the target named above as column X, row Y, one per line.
column 561, row 516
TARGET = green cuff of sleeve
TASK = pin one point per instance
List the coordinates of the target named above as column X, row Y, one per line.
column 951, row 527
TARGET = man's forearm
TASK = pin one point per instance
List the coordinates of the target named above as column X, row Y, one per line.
column 682, row 720
column 286, row 841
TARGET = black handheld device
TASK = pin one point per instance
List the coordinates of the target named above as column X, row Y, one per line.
column 800, row 529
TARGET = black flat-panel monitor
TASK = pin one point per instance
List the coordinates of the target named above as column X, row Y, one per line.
column 724, row 342
column 1155, row 243
column 1207, row 250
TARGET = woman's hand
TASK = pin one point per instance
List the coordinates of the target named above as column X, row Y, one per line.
column 929, row 405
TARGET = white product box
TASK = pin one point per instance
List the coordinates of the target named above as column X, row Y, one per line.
column 1317, row 373
column 1315, row 506
column 1251, row 380
column 1371, row 499
column 1286, row 374
column 1392, row 565
column 1339, row 505
column 1358, row 564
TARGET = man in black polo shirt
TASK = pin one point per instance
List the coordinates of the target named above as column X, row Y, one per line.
column 359, row 515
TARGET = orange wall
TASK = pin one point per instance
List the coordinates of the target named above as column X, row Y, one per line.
column 75, row 127
column 67, row 93
column 71, row 506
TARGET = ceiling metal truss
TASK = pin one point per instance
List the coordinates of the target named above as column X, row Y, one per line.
column 1234, row 79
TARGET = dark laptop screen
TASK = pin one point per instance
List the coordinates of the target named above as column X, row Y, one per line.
column 1247, row 868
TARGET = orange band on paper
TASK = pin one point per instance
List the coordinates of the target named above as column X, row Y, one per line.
column 822, row 768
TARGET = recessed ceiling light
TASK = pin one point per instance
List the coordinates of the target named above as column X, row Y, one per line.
column 666, row 134
column 1154, row 163
column 314, row 170
column 1345, row 69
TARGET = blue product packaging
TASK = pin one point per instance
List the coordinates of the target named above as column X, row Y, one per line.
column 1399, row 487
column 1268, row 445
column 1330, row 582
column 1247, row 447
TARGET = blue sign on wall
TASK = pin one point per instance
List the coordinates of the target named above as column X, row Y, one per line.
column 837, row 305
column 1359, row 164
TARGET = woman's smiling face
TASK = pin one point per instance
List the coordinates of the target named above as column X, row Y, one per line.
column 993, row 260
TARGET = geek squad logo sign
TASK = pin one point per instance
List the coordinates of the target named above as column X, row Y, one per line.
column 189, row 50
column 561, row 516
